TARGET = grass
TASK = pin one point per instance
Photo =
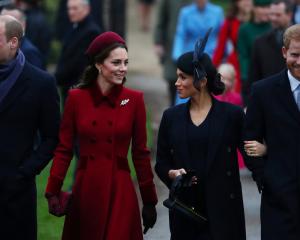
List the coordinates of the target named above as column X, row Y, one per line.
column 50, row 227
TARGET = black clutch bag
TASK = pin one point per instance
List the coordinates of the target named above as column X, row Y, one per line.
column 173, row 203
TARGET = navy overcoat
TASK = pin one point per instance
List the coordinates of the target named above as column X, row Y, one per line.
column 31, row 106
column 223, row 193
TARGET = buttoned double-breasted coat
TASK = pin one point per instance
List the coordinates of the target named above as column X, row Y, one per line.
column 223, row 194
column 104, row 204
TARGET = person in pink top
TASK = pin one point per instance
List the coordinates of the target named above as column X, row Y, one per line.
column 228, row 74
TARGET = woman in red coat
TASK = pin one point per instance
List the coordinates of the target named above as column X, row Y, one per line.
column 104, row 117
column 239, row 12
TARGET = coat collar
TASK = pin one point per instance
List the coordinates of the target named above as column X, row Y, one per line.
column 285, row 94
column 111, row 98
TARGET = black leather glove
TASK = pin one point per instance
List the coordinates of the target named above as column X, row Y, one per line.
column 149, row 216
column 258, row 178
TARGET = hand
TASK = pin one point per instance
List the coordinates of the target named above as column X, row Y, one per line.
column 58, row 204
column 173, row 173
column 255, row 149
column 258, row 178
column 54, row 206
column 149, row 216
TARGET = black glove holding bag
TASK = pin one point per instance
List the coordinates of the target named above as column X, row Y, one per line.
column 149, row 216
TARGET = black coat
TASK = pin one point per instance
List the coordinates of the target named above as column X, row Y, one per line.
column 223, row 194
column 31, row 105
column 266, row 58
column 73, row 60
column 273, row 115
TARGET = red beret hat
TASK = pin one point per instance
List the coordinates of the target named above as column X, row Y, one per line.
column 103, row 41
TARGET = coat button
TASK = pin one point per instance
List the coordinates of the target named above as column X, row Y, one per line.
column 93, row 140
column 171, row 150
column 92, row 157
column 232, row 196
column 109, row 140
column 110, row 123
column 229, row 173
column 229, row 149
column 94, row 123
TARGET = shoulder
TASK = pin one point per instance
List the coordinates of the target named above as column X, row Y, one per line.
column 36, row 74
column 175, row 111
column 78, row 92
column 268, row 82
column 230, row 106
column 188, row 9
column 132, row 93
column 264, row 37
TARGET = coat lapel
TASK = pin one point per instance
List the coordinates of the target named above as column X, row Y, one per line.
column 182, row 130
column 218, row 122
column 285, row 94
column 19, row 87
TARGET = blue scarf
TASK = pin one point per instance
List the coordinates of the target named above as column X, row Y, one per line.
column 9, row 74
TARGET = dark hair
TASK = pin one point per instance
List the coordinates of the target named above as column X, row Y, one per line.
column 289, row 6
column 214, row 83
column 91, row 72
column 232, row 9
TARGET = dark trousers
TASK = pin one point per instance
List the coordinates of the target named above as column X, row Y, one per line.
column 18, row 217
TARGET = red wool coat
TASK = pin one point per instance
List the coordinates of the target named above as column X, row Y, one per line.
column 229, row 32
column 104, row 204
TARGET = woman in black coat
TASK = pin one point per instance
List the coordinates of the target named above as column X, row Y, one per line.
column 203, row 135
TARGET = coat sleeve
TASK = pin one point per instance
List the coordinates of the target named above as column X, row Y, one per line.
column 254, row 130
column 163, row 154
column 64, row 152
column 141, row 155
column 48, row 126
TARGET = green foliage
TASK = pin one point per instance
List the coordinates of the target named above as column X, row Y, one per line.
column 49, row 226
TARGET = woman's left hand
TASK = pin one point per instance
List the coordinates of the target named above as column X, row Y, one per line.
column 255, row 148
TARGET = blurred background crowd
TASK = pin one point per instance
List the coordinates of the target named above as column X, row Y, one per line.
column 245, row 43
column 247, row 34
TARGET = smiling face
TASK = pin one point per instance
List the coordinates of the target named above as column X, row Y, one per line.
column 184, row 84
column 114, row 68
column 292, row 57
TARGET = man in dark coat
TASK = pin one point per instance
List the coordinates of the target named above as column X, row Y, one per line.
column 273, row 115
column 62, row 21
column 267, row 57
column 28, row 103
column 72, row 60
